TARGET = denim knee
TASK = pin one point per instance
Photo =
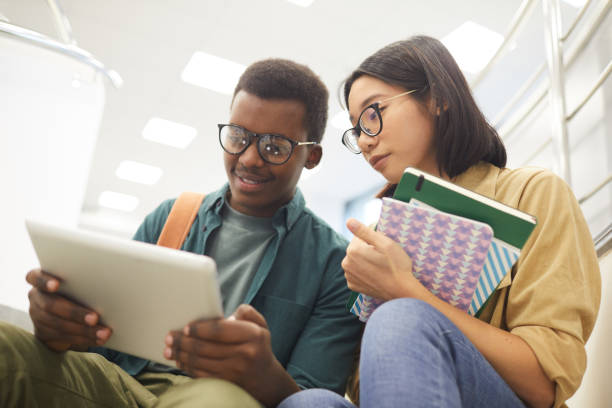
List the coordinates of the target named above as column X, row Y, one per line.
column 315, row 397
column 411, row 312
column 404, row 319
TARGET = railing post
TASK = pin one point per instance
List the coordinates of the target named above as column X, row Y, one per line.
column 552, row 24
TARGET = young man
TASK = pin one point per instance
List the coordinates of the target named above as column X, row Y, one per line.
column 279, row 268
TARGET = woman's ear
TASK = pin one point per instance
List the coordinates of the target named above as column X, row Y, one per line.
column 436, row 107
column 444, row 108
column 314, row 157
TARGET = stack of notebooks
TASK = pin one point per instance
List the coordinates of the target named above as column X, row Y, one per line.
column 462, row 244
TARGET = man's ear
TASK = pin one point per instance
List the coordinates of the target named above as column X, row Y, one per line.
column 314, row 157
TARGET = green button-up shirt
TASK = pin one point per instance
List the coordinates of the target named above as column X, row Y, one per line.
column 299, row 288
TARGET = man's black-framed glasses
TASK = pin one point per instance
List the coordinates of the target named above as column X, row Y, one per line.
column 272, row 148
column 369, row 122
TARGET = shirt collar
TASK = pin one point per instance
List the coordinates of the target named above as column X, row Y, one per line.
column 481, row 178
column 287, row 215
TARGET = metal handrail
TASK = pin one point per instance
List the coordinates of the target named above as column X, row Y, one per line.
column 585, row 36
column 603, row 241
column 520, row 17
column 596, row 189
column 576, row 20
column 66, row 49
column 537, row 151
column 61, row 22
column 602, row 77
column 518, row 95
column 571, row 56
column 556, row 94
column 536, row 98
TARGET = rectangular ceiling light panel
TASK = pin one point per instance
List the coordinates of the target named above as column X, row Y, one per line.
column 138, row 172
column 472, row 45
column 212, row 72
column 118, row 201
column 576, row 3
column 169, row 133
column 302, row 3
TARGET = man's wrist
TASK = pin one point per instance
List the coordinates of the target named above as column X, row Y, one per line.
column 274, row 385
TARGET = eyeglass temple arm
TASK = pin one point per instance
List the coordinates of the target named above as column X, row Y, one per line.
column 397, row 96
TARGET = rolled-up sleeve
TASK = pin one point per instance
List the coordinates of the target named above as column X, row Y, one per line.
column 554, row 297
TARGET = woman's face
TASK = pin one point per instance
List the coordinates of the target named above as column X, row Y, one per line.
column 407, row 133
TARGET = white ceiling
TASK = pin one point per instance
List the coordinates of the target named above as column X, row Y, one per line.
column 149, row 43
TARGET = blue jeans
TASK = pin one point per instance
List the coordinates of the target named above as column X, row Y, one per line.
column 413, row 356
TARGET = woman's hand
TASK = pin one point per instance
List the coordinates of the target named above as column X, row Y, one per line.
column 378, row 266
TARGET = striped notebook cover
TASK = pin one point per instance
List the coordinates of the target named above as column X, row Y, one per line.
column 500, row 259
column 364, row 306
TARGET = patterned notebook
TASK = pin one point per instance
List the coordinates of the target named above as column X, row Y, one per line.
column 448, row 252
column 500, row 259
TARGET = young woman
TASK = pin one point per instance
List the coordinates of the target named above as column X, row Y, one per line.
column 411, row 106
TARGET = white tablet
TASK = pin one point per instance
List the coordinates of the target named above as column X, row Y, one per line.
column 142, row 291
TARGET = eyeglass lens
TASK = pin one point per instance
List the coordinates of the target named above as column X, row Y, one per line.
column 350, row 139
column 273, row 149
column 369, row 121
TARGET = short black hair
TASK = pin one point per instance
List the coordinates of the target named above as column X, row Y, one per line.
column 462, row 135
column 276, row 78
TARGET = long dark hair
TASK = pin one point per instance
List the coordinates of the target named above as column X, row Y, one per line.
column 462, row 135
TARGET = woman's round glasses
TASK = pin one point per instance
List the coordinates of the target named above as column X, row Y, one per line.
column 273, row 149
column 369, row 122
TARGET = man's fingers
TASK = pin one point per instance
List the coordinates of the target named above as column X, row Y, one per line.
column 222, row 330
column 250, row 314
column 42, row 280
column 56, row 337
column 95, row 334
column 60, row 329
column 206, row 367
column 177, row 342
column 194, row 362
column 63, row 308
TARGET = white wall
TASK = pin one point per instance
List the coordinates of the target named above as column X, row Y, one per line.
column 50, row 111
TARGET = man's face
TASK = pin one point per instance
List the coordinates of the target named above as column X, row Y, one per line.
column 259, row 188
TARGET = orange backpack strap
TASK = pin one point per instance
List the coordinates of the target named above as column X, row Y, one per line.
column 179, row 220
